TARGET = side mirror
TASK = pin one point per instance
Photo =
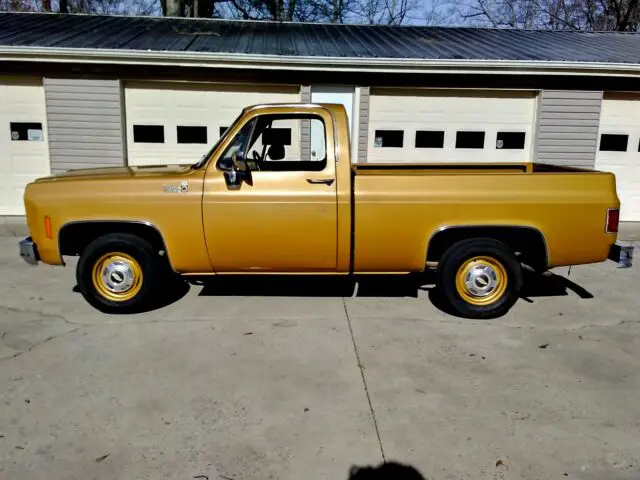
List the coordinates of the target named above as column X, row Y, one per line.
column 236, row 170
column 225, row 164
column 239, row 162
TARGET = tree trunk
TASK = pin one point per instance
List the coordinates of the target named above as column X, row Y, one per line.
column 64, row 6
column 174, row 8
column 204, row 8
column 46, row 5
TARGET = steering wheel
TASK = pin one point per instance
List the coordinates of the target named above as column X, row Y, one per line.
column 257, row 159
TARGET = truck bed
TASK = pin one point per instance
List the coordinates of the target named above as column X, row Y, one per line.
column 396, row 206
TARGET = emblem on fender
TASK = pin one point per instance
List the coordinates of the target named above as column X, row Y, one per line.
column 182, row 188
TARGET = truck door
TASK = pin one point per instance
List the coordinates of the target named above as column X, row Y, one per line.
column 282, row 215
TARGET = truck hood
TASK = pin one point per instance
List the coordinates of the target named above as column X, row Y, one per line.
column 119, row 173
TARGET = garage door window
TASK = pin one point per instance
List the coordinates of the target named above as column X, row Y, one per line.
column 613, row 143
column 148, row 133
column 26, row 131
column 188, row 134
column 429, row 139
column 389, row 138
column 470, row 140
column 510, row 140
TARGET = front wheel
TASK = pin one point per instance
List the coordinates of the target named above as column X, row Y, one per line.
column 118, row 273
column 479, row 278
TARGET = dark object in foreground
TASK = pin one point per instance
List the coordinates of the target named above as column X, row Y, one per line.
column 622, row 254
column 385, row 471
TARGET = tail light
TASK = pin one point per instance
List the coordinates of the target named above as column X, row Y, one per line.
column 613, row 219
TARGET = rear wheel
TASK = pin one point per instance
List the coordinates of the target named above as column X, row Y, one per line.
column 118, row 273
column 479, row 278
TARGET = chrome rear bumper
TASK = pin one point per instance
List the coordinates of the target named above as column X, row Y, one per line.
column 622, row 254
column 28, row 251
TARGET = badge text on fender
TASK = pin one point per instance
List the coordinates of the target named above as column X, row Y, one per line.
column 182, row 188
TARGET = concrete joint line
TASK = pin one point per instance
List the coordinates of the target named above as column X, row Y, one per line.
column 364, row 381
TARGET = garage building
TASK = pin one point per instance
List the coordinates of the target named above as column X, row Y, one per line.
column 85, row 91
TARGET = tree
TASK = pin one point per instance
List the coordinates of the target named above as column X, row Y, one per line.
column 392, row 12
column 107, row 7
column 622, row 15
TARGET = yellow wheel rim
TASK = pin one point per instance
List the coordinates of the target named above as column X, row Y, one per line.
column 117, row 276
column 481, row 280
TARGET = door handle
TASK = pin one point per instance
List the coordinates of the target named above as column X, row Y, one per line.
column 316, row 181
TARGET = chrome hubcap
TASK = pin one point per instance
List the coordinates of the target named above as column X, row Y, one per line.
column 117, row 276
column 481, row 280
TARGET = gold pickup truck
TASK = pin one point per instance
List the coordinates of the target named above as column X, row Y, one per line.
column 279, row 193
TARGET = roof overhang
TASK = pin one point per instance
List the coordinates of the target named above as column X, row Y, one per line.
column 334, row 64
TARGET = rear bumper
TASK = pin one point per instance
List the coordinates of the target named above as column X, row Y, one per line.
column 29, row 251
column 622, row 254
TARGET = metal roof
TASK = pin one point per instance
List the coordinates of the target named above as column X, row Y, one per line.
column 407, row 43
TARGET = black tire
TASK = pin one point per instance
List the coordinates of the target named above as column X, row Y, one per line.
column 145, row 259
column 503, row 267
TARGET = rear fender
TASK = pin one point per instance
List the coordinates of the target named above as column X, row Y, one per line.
column 527, row 242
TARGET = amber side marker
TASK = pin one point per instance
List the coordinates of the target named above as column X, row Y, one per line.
column 47, row 227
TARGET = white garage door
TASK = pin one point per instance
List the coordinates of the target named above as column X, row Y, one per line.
column 433, row 126
column 24, row 152
column 179, row 122
column 619, row 149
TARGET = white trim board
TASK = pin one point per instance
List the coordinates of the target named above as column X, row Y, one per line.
column 377, row 65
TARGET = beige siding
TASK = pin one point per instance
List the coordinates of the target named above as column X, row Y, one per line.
column 305, row 130
column 363, row 124
column 567, row 130
column 85, row 123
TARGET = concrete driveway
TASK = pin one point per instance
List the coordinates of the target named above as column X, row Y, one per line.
column 237, row 380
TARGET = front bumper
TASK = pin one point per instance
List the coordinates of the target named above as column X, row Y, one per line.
column 622, row 254
column 29, row 251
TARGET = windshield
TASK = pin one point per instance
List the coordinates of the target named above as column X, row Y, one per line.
column 207, row 155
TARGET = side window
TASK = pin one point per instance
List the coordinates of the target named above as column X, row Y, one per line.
column 280, row 143
column 288, row 143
